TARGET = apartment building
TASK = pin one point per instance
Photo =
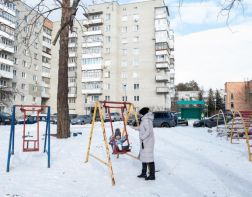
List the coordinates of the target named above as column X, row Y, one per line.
column 124, row 52
column 26, row 53
column 7, row 29
column 238, row 95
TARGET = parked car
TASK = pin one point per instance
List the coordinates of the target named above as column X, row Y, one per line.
column 81, row 119
column 212, row 121
column 115, row 116
column 5, row 118
column 179, row 120
column 132, row 120
column 28, row 120
column 163, row 119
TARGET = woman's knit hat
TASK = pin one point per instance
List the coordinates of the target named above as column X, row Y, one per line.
column 144, row 110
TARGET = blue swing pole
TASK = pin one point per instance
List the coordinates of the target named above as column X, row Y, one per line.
column 46, row 133
column 11, row 141
column 49, row 139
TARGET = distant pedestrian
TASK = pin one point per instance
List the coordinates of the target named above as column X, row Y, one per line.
column 146, row 136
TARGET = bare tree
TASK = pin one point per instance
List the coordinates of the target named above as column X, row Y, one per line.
column 42, row 11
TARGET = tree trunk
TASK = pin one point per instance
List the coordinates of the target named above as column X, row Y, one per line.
column 63, row 123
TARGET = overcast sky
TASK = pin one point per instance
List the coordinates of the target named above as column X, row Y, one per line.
column 208, row 48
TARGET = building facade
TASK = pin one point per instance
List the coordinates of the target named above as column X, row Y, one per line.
column 120, row 52
column 7, row 32
column 27, row 52
column 238, row 95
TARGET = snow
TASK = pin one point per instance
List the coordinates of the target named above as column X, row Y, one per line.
column 192, row 162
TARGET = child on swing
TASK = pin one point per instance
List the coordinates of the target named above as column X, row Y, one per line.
column 117, row 141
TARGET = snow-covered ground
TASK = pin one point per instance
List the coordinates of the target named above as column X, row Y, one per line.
column 192, row 162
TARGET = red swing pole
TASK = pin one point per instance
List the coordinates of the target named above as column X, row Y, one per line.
column 37, row 141
column 24, row 129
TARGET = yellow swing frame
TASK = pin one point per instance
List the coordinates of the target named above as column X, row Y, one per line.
column 98, row 108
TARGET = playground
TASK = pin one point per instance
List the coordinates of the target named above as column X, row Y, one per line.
column 190, row 162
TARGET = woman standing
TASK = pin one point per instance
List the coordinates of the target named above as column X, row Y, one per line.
column 146, row 137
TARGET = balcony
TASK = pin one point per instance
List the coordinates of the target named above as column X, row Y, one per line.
column 72, row 44
column 73, row 34
column 162, row 89
column 162, row 52
column 172, row 75
column 72, row 74
column 7, row 9
column 171, row 44
column 72, row 54
column 72, row 84
column 47, row 65
column 72, row 64
column 72, row 106
column 45, row 95
column 89, row 79
column 91, row 22
column 6, row 74
column 7, row 22
column 92, row 67
column 89, row 33
column 45, row 74
column 46, row 44
column 92, row 91
column 43, row 84
column 6, row 35
column 72, row 95
column 92, row 55
column 47, row 55
column 162, row 78
column 92, row 44
column 8, row 48
column 162, row 65
column 7, row 61
column 47, row 35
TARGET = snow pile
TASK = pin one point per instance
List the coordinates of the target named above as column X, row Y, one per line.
column 191, row 162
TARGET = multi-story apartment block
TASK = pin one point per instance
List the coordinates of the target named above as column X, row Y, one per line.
column 124, row 53
column 7, row 30
column 25, row 53
column 127, row 54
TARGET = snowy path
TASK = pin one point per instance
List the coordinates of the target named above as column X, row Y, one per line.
column 192, row 162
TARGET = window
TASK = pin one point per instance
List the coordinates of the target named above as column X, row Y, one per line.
column 23, row 75
column 3, row 83
column 232, row 96
column 22, row 98
column 232, row 105
column 135, row 51
column 107, row 50
column 136, row 86
column 34, row 99
column 88, row 61
column 95, row 98
column 124, row 29
column 124, row 98
column 107, row 98
column 35, row 56
column 108, row 39
column 124, row 75
column 35, row 78
column 136, row 98
column 124, row 51
column 107, row 28
column 71, row 100
column 22, row 86
column 24, row 63
column 14, row 85
column 135, row 27
column 107, row 17
column 35, row 67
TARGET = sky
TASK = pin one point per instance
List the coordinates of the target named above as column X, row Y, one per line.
column 211, row 47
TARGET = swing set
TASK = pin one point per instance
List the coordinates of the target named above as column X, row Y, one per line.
column 30, row 143
column 125, row 107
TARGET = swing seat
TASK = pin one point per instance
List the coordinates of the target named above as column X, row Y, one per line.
column 124, row 150
column 31, row 145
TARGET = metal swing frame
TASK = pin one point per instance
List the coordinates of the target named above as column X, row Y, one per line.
column 98, row 109
column 47, row 145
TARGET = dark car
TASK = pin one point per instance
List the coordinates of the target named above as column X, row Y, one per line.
column 132, row 120
column 5, row 118
column 28, row 120
column 179, row 120
column 81, row 119
column 212, row 121
column 163, row 119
